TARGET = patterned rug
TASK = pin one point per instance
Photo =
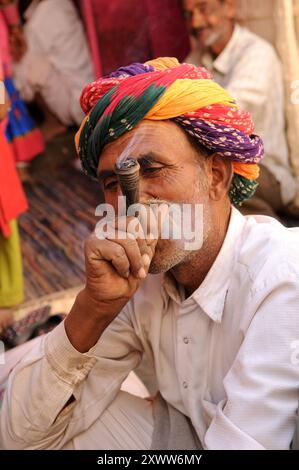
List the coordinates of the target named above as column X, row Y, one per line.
column 62, row 203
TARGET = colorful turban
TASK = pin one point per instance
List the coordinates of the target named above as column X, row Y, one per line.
column 165, row 89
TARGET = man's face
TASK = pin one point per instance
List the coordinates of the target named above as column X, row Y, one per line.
column 209, row 22
column 170, row 171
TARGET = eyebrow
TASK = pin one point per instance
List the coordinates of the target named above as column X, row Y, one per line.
column 143, row 160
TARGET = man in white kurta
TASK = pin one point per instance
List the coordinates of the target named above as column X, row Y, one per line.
column 57, row 63
column 227, row 357
column 248, row 67
column 218, row 324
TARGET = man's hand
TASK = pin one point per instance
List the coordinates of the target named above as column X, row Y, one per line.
column 115, row 268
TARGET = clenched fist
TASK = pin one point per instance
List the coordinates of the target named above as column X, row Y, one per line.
column 116, row 265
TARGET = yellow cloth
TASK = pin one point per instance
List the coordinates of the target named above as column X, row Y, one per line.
column 11, row 272
column 187, row 96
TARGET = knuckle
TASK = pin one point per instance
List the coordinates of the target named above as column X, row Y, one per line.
column 131, row 242
column 90, row 239
column 119, row 252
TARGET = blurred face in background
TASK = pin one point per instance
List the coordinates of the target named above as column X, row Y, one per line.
column 210, row 22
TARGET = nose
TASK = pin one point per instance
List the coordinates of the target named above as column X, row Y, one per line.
column 197, row 20
column 147, row 190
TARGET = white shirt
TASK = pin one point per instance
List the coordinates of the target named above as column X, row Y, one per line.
column 55, row 33
column 225, row 356
column 250, row 70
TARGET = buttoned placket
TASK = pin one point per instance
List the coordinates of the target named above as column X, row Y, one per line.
column 184, row 340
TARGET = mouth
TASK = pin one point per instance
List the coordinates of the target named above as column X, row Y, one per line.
column 206, row 36
column 198, row 32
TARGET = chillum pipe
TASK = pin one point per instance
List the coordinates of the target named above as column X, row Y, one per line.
column 128, row 177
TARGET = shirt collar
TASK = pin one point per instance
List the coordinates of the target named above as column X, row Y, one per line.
column 223, row 63
column 211, row 294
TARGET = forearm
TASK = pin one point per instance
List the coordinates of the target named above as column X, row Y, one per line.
column 88, row 319
column 34, row 413
column 47, row 401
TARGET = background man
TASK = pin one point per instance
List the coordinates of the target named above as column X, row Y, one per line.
column 248, row 67
column 57, row 63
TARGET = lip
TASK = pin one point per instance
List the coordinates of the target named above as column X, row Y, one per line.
column 198, row 33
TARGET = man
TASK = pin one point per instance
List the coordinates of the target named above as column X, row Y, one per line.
column 57, row 63
column 218, row 323
column 248, row 67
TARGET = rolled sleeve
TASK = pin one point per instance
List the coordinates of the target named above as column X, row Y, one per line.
column 66, row 362
column 55, row 392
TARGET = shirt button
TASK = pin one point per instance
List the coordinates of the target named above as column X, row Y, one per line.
column 186, row 340
column 185, row 385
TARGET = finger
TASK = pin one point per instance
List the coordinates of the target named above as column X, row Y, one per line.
column 156, row 215
column 133, row 227
column 106, row 250
column 131, row 247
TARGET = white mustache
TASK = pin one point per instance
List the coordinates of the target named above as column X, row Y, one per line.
column 155, row 201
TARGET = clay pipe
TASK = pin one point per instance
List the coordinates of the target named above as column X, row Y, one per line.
column 128, row 177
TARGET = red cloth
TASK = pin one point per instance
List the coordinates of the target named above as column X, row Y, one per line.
column 137, row 30
column 168, row 33
column 26, row 147
column 12, row 198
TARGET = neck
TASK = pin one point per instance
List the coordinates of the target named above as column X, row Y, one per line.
column 191, row 273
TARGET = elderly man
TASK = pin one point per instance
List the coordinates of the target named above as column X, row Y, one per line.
column 248, row 67
column 219, row 323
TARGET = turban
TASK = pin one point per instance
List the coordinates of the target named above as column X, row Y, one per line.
column 165, row 89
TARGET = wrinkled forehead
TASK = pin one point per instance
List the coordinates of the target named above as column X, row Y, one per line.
column 163, row 138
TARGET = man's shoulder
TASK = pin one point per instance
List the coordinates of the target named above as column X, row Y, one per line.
column 252, row 42
column 269, row 251
column 55, row 8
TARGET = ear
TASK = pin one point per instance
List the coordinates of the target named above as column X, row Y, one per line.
column 220, row 176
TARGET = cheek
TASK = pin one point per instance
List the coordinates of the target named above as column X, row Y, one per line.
column 214, row 21
column 170, row 186
column 111, row 198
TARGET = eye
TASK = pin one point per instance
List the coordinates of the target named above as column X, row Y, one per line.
column 151, row 170
column 110, row 185
column 203, row 7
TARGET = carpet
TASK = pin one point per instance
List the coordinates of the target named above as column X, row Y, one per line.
column 62, row 203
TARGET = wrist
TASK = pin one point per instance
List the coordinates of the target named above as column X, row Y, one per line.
column 94, row 307
column 87, row 321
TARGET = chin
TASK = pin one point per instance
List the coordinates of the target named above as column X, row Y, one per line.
column 166, row 259
column 202, row 38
